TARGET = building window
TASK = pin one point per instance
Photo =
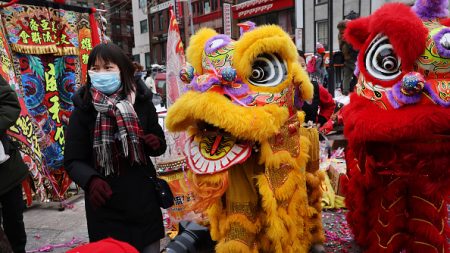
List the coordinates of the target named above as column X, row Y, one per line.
column 163, row 54
column 321, row 2
column 153, row 23
column 161, row 21
column 322, row 32
column 214, row 5
column 148, row 61
column 144, row 26
column 136, row 58
column 142, row 4
column 155, row 50
column 206, row 7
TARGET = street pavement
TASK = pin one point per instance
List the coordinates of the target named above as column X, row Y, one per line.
column 47, row 226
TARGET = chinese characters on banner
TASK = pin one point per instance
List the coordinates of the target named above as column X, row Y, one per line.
column 51, row 48
column 24, row 132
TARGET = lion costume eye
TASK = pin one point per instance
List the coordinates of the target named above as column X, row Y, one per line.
column 381, row 60
column 268, row 70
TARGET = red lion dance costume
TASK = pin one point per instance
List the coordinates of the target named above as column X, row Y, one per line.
column 398, row 128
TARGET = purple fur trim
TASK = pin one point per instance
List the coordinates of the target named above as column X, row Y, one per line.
column 239, row 91
column 246, row 100
column 356, row 71
column 250, row 26
column 204, row 86
column 209, row 48
column 399, row 96
column 444, row 52
column 392, row 100
column 431, row 9
column 435, row 97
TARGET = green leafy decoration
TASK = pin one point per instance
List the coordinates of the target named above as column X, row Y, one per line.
column 60, row 67
column 36, row 66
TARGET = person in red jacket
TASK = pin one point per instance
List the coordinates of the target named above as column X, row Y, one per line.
column 322, row 106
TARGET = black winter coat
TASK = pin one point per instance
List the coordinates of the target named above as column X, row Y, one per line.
column 14, row 170
column 132, row 214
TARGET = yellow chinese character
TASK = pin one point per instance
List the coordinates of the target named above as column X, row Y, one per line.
column 34, row 25
column 85, row 58
column 44, row 25
column 59, row 135
column 63, row 40
column 50, row 78
column 36, row 37
column 53, row 26
column 14, row 128
column 6, row 62
column 47, row 37
column 24, row 35
column 86, row 44
column 54, row 110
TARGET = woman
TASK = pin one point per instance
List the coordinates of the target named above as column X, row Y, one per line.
column 112, row 132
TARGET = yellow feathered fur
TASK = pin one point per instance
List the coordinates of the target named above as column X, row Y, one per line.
column 254, row 123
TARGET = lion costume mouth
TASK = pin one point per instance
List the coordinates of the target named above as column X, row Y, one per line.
column 222, row 133
column 213, row 150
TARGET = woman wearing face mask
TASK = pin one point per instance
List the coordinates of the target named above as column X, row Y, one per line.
column 112, row 132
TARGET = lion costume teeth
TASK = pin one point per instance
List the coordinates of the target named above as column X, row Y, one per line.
column 251, row 162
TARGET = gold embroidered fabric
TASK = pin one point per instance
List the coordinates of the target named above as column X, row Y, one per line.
column 239, row 233
column 278, row 176
column 288, row 138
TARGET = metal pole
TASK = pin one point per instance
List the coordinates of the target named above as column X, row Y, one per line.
column 191, row 17
column 330, row 48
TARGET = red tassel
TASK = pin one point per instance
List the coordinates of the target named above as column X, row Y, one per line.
column 94, row 28
column 8, row 4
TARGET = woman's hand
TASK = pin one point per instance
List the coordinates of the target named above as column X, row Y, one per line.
column 99, row 192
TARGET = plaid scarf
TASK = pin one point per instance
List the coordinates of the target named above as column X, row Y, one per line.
column 116, row 118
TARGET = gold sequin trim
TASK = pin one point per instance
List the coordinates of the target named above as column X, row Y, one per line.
column 431, row 204
column 390, row 206
column 429, row 245
column 288, row 138
column 238, row 233
column 278, row 176
column 389, row 242
column 248, row 209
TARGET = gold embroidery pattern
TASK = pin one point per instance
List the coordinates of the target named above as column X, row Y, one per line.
column 239, row 233
column 278, row 176
column 389, row 242
column 429, row 245
column 288, row 138
column 248, row 209
column 431, row 204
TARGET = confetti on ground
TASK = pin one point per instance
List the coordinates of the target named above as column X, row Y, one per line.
column 338, row 235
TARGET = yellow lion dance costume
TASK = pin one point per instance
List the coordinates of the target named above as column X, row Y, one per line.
column 253, row 166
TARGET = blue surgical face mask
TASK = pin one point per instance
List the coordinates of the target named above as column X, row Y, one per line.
column 105, row 82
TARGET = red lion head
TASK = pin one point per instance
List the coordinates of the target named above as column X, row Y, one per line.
column 404, row 69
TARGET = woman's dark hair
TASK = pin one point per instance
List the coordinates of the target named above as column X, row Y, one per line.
column 113, row 54
column 149, row 73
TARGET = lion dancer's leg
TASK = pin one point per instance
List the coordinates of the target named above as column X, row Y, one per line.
column 428, row 224
column 376, row 203
column 355, row 199
column 314, row 180
column 428, row 197
column 283, row 192
column 234, row 220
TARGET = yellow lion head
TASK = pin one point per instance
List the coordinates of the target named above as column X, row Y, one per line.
column 240, row 93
